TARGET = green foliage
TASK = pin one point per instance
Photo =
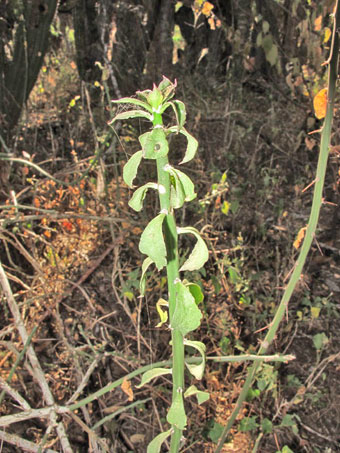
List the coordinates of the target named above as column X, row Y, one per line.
column 159, row 243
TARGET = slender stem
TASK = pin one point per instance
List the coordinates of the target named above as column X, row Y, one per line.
column 310, row 231
column 171, row 242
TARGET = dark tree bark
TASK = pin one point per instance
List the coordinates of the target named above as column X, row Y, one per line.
column 27, row 25
column 87, row 40
column 159, row 60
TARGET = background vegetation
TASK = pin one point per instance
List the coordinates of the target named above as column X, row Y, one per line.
column 247, row 71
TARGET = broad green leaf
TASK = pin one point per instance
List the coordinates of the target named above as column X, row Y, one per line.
column 156, row 443
column 152, row 374
column 200, row 253
column 195, row 290
column 146, row 263
column 186, row 316
column 131, row 167
column 162, row 313
column 154, row 144
column 201, row 396
column 196, row 370
column 176, row 415
column 134, row 101
column 136, row 201
column 152, row 242
column 192, row 144
column 180, row 112
column 131, row 114
column 182, row 188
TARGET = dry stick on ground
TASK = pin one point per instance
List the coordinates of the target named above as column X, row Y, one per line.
column 23, row 444
column 38, row 372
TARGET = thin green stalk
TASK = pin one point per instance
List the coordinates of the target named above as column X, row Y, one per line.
column 172, row 269
column 310, row 231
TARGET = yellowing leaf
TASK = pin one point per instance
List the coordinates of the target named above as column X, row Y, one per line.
column 320, row 104
column 162, row 313
column 315, row 312
column 299, row 238
column 127, row 389
column 327, row 35
column 207, row 8
column 225, row 207
column 318, row 23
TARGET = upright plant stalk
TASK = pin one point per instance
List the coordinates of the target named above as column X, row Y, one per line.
column 311, row 226
column 172, row 267
column 159, row 242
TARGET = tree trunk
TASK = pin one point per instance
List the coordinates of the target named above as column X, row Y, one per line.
column 159, row 60
column 28, row 27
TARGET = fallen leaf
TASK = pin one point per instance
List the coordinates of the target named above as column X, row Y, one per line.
column 127, row 389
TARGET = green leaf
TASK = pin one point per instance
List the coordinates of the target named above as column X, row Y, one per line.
column 152, row 242
column 187, row 316
column 248, row 424
column 196, row 370
column 131, row 167
column 215, row 432
column 146, row 263
column 154, row 144
column 202, row 397
column 266, row 426
column 320, row 340
column 163, row 315
column 182, row 188
column 200, row 254
column 136, row 201
column 155, row 445
column 192, row 144
column 131, row 114
column 286, row 449
column 176, row 415
column 155, row 98
column 152, row 374
column 196, row 291
column 134, row 101
column 180, row 112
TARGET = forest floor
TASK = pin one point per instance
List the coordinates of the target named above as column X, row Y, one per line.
column 73, row 262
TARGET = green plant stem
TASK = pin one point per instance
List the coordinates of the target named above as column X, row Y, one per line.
column 172, row 268
column 310, row 231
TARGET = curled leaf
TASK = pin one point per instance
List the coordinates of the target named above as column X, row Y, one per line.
column 131, row 114
column 200, row 253
column 152, row 374
column 196, row 370
column 155, row 445
column 152, row 242
column 146, row 263
column 163, row 315
column 131, row 167
column 137, row 198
